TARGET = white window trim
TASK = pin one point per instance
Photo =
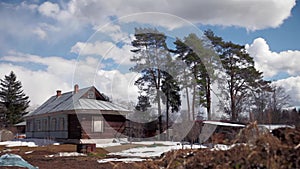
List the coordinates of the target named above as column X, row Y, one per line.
column 97, row 124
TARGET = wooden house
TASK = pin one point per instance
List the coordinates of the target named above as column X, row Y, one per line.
column 82, row 115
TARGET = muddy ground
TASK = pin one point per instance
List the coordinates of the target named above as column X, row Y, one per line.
column 263, row 150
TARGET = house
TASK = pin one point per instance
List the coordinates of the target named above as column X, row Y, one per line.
column 78, row 116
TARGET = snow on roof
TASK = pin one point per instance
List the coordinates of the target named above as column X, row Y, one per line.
column 292, row 108
column 218, row 123
column 23, row 123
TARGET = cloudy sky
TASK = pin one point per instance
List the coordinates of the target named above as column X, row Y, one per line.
column 52, row 45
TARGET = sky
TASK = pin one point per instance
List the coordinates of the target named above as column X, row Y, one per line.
column 53, row 45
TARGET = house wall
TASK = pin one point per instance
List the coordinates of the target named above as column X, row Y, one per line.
column 75, row 126
column 111, row 125
column 55, row 126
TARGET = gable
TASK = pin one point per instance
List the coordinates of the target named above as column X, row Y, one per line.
column 93, row 93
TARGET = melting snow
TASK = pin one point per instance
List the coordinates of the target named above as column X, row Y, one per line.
column 218, row 123
column 107, row 145
column 66, row 154
column 126, row 160
column 18, row 143
column 154, row 149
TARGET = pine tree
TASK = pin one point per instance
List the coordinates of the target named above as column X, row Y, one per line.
column 143, row 103
column 199, row 76
column 152, row 59
column 242, row 77
column 171, row 98
column 13, row 98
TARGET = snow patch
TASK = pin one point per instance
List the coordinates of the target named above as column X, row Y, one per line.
column 107, row 145
column 126, row 160
column 153, row 150
column 218, row 123
column 66, row 154
column 18, row 143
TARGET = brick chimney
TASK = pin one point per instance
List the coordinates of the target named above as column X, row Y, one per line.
column 58, row 93
column 76, row 88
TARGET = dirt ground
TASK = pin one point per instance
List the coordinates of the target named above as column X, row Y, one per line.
column 262, row 151
column 38, row 156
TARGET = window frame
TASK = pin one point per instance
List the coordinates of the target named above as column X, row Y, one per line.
column 53, row 124
column 96, row 121
column 61, row 123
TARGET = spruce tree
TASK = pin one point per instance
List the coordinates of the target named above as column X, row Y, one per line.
column 13, row 98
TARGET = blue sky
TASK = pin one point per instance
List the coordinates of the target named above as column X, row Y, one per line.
column 54, row 44
column 284, row 37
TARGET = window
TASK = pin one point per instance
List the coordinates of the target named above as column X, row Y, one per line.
column 38, row 125
column 53, row 124
column 91, row 95
column 45, row 125
column 97, row 124
column 29, row 125
column 61, row 123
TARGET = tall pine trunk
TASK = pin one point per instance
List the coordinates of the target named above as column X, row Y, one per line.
column 208, row 99
column 193, row 102
column 232, row 100
column 159, row 105
column 188, row 103
column 167, row 120
column 187, row 97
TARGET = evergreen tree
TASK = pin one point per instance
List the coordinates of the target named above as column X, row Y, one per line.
column 242, row 76
column 151, row 58
column 199, row 58
column 171, row 98
column 13, row 98
column 143, row 103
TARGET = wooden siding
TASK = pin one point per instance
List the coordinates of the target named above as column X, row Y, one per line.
column 50, row 127
column 112, row 124
column 74, row 127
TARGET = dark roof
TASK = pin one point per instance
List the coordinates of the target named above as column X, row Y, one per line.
column 76, row 101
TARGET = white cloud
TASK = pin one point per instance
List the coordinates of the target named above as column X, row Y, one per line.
column 292, row 87
column 114, row 32
column 49, row 9
column 54, row 73
column 273, row 63
column 105, row 49
column 252, row 15
column 40, row 32
column 38, row 85
column 67, row 19
column 117, row 85
column 57, row 66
